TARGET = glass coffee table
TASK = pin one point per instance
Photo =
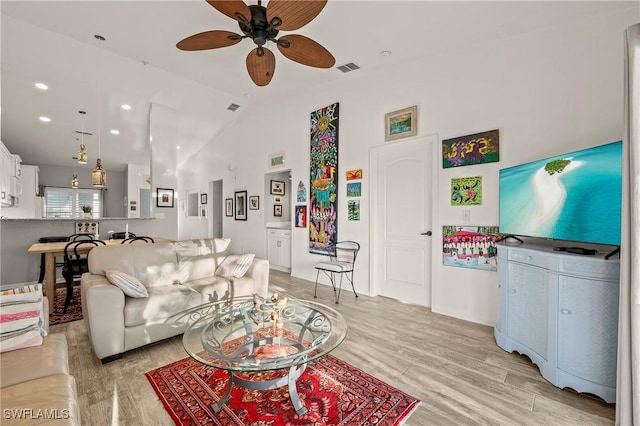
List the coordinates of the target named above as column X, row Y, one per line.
column 254, row 335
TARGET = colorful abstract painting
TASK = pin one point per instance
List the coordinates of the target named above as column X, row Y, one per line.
column 466, row 191
column 354, row 174
column 353, row 207
column 470, row 247
column 467, row 150
column 323, row 199
column 354, row 189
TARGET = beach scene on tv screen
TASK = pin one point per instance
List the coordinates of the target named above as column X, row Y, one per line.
column 574, row 197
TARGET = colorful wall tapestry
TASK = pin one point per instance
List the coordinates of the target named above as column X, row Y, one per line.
column 466, row 191
column 471, row 149
column 470, row 247
column 323, row 223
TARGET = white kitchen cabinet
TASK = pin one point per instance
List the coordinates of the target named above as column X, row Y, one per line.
column 561, row 310
column 279, row 249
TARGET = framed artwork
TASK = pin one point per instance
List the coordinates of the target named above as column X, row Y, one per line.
column 354, row 189
column 241, row 205
column 276, row 160
column 323, row 176
column 164, row 197
column 277, row 209
column 301, row 216
column 254, row 202
column 277, row 187
column 466, row 191
column 277, row 199
column 401, row 124
column 228, row 207
column 354, row 174
column 472, row 247
column 478, row 148
column 302, row 192
column 203, row 212
column 353, row 208
column 203, row 198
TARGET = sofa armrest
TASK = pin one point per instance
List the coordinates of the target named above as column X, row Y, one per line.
column 103, row 312
column 259, row 273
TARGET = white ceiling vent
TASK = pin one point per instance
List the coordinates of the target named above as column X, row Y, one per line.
column 348, row 67
column 233, row 107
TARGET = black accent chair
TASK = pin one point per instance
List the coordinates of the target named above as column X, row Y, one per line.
column 121, row 235
column 75, row 264
column 81, row 237
column 133, row 240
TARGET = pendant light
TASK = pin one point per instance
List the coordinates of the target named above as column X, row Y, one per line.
column 81, row 157
column 98, row 175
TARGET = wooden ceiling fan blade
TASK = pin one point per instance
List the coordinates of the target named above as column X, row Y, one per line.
column 209, row 40
column 305, row 51
column 294, row 14
column 230, row 7
column 261, row 68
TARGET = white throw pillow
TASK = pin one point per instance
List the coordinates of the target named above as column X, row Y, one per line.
column 129, row 285
column 235, row 265
column 22, row 320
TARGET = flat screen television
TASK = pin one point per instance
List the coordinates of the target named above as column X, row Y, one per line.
column 574, row 197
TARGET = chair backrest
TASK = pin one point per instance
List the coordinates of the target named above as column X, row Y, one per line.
column 121, row 235
column 81, row 237
column 134, row 239
column 347, row 251
column 71, row 249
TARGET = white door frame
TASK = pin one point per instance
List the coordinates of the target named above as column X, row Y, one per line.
column 431, row 142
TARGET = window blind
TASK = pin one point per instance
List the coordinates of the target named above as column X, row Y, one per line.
column 68, row 202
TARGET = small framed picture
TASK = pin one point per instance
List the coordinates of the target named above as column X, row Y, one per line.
column 228, row 207
column 276, row 160
column 277, row 200
column 301, row 216
column 400, row 124
column 254, row 202
column 203, row 198
column 241, row 205
column 203, row 212
column 277, row 187
column 277, row 209
column 164, row 197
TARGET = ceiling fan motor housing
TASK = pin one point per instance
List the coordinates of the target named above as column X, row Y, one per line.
column 259, row 29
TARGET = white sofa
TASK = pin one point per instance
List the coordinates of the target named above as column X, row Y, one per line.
column 35, row 384
column 177, row 275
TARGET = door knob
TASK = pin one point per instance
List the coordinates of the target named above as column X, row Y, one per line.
column 428, row 233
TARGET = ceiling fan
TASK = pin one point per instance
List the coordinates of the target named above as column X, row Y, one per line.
column 262, row 24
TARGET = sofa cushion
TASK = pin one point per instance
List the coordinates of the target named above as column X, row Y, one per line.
column 129, row 285
column 32, row 363
column 163, row 302
column 21, row 317
column 56, row 394
column 200, row 258
column 235, row 265
column 153, row 264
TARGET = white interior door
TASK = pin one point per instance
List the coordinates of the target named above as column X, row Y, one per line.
column 401, row 218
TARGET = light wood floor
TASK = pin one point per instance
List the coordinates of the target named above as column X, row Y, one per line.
column 454, row 367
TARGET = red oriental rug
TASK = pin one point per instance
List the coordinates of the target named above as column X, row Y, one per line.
column 74, row 311
column 335, row 392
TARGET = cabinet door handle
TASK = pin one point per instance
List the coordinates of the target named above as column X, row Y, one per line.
column 513, row 290
column 565, row 311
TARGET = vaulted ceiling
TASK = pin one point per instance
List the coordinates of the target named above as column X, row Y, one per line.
column 138, row 64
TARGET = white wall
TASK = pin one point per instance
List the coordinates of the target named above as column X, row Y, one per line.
column 548, row 92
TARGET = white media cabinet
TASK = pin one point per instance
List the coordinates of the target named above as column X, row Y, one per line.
column 561, row 310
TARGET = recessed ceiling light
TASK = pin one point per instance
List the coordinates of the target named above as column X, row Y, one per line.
column 385, row 53
column 115, row 131
column 178, row 147
column 41, row 86
column 126, row 107
column 45, row 119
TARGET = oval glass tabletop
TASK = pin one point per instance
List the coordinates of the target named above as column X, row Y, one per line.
column 256, row 334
